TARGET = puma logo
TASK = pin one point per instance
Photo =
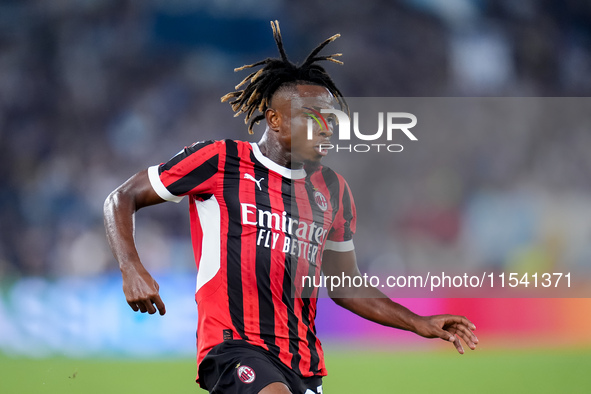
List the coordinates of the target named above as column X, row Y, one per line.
column 248, row 176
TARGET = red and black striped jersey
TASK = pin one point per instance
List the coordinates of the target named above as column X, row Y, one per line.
column 256, row 228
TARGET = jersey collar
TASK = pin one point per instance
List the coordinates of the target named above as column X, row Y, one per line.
column 270, row 164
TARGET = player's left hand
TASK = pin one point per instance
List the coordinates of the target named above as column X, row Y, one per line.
column 449, row 328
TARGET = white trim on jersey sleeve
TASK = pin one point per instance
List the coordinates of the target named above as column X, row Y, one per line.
column 270, row 164
column 159, row 187
column 345, row 246
column 209, row 262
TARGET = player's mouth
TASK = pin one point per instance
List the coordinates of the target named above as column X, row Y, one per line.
column 322, row 148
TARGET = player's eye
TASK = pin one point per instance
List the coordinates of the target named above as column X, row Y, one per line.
column 311, row 116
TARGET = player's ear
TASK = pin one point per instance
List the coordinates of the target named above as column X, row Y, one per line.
column 273, row 119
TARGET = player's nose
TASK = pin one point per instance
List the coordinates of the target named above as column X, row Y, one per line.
column 326, row 132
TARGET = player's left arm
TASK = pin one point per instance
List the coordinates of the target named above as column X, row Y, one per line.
column 370, row 303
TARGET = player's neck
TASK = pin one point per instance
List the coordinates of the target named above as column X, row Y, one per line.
column 272, row 149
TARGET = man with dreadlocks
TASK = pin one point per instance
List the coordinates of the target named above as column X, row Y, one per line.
column 262, row 216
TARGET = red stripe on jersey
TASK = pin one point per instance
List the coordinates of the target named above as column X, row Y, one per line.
column 344, row 222
column 277, row 273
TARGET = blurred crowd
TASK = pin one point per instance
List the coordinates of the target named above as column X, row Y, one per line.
column 94, row 91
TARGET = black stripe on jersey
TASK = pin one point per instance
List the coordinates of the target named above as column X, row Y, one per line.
column 233, row 268
column 332, row 183
column 310, row 335
column 288, row 193
column 347, row 213
column 196, row 177
column 263, row 266
column 183, row 154
column 318, row 217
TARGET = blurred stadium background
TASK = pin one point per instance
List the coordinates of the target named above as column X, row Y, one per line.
column 94, row 91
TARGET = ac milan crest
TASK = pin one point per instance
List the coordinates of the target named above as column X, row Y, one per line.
column 320, row 200
column 246, row 374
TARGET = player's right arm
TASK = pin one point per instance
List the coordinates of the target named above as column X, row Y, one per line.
column 141, row 290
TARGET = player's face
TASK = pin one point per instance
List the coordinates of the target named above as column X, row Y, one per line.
column 303, row 103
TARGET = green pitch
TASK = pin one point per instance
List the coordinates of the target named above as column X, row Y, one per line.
column 533, row 371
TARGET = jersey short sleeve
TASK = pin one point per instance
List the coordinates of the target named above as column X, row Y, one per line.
column 191, row 171
column 340, row 238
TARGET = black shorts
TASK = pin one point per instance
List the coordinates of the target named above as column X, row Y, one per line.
column 235, row 366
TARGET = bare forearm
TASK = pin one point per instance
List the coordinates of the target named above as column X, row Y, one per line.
column 371, row 304
column 119, row 212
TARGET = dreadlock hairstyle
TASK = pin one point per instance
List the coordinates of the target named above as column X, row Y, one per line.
column 262, row 84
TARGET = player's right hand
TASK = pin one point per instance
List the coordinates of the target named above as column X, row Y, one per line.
column 141, row 293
